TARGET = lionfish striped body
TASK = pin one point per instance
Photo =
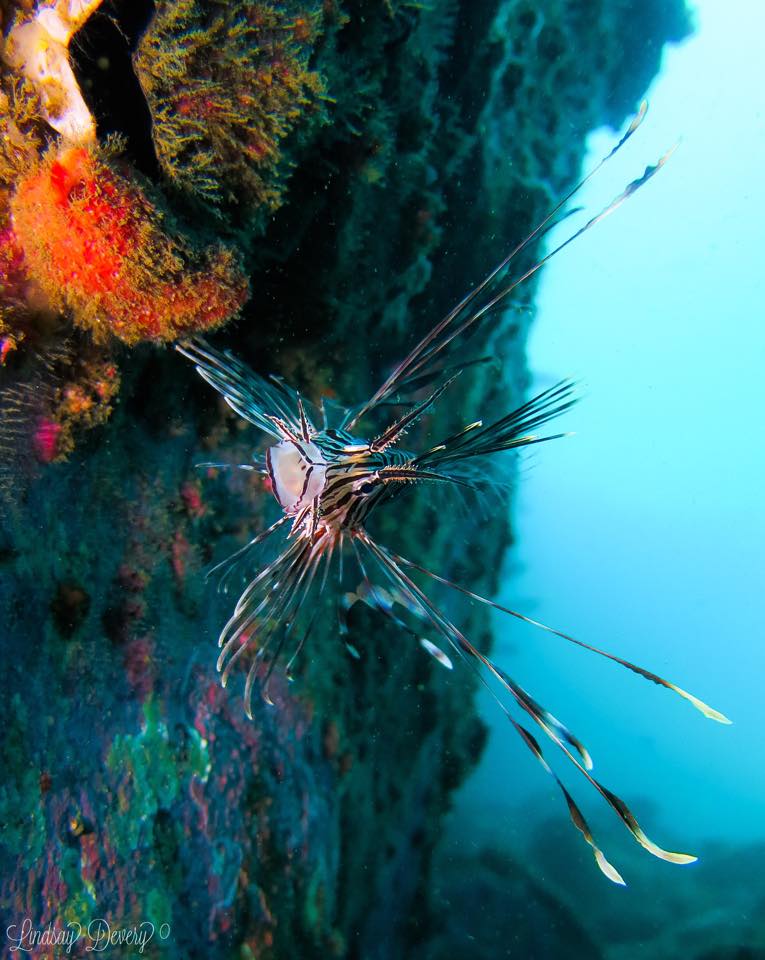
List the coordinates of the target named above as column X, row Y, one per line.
column 328, row 478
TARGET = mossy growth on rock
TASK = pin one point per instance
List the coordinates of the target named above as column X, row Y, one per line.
column 226, row 83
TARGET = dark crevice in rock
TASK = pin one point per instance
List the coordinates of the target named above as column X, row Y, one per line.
column 101, row 58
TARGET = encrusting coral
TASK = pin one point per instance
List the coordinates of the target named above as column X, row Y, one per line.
column 84, row 240
column 50, row 392
column 12, row 284
column 22, row 140
column 23, row 130
column 81, row 402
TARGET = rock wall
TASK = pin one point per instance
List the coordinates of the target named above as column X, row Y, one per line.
column 364, row 168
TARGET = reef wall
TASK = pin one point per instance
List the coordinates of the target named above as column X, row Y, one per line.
column 354, row 167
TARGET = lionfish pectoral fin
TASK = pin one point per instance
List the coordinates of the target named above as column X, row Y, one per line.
column 251, row 396
column 344, row 604
column 560, row 736
column 547, row 723
column 628, row 818
column 709, row 712
column 577, row 817
column 270, row 610
column 301, row 643
column 229, row 563
column 467, row 651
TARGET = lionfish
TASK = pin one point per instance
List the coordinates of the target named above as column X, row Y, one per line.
column 328, row 479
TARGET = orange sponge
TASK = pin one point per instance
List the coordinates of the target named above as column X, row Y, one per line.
column 98, row 246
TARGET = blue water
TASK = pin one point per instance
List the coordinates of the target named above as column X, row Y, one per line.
column 645, row 532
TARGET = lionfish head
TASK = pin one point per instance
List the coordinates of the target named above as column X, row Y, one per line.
column 298, row 473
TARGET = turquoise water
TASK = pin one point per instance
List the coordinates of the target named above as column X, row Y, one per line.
column 644, row 532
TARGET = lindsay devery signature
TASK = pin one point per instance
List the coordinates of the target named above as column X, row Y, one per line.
column 98, row 935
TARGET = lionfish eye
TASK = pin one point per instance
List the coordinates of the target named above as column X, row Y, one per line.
column 298, row 473
column 368, row 487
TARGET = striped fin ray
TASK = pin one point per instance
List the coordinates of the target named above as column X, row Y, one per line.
column 472, row 657
column 269, row 610
column 419, row 361
column 459, row 642
column 709, row 712
column 396, row 430
column 301, row 591
column 577, row 817
column 259, row 400
column 511, row 431
column 288, row 605
column 383, row 601
column 229, row 564
column 328, row 556
column 413, row 474
column 414, row 605
column 497, row 299
column 550, row 724
column 261, row 600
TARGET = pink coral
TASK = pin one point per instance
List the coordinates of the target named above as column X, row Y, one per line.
column 46, row 440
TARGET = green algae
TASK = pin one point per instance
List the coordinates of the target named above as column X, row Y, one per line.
column 151, row 770
column 159, row 908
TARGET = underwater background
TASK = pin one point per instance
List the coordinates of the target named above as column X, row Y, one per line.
column 646, row 528
column 313, row 184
